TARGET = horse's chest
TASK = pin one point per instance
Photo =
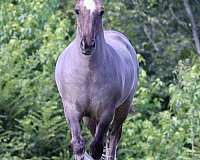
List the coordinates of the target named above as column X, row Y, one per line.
column 97, row 93
column 90, row 92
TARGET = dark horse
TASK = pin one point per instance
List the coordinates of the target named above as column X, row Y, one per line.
column 96, row 76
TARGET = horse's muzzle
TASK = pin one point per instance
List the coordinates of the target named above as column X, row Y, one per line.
column 87, row 48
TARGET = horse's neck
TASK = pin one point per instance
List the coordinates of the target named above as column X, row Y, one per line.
column 98, row 56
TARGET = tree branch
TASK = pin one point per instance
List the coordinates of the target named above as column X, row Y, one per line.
column 194, row 27
column 177, row 19
column 150, row 39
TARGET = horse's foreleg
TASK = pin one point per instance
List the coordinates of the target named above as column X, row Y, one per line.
column 111, row 146
column 115, row 130
column 91, row 125
column 97, row 144
column 77, row 142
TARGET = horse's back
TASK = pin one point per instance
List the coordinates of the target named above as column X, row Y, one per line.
column 122, row 45
column 120, row 42
column 127, row 61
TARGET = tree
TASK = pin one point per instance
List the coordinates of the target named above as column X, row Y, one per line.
column 194, row 26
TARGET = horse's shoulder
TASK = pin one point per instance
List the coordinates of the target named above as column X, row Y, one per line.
column 122, row 45
column 70, row 48
column 64, row 57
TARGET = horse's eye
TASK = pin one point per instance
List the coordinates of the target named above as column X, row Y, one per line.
column 101, row 13
column 77, row 11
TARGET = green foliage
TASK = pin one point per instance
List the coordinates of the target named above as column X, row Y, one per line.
column 169, row 134
column 159, row 30
column 32, row 123
column 185, row 104
column 166, row 122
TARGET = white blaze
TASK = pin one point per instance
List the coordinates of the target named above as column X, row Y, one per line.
column 90, row 5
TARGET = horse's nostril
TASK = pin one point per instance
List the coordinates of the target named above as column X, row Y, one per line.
column 82, row 44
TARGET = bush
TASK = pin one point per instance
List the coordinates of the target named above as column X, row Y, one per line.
column 169, row 134
column 31, row 117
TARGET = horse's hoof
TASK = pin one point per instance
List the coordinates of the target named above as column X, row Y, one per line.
column 87, row 157
column 79, row 157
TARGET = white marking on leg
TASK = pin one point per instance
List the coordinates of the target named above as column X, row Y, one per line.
column 90, row 5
